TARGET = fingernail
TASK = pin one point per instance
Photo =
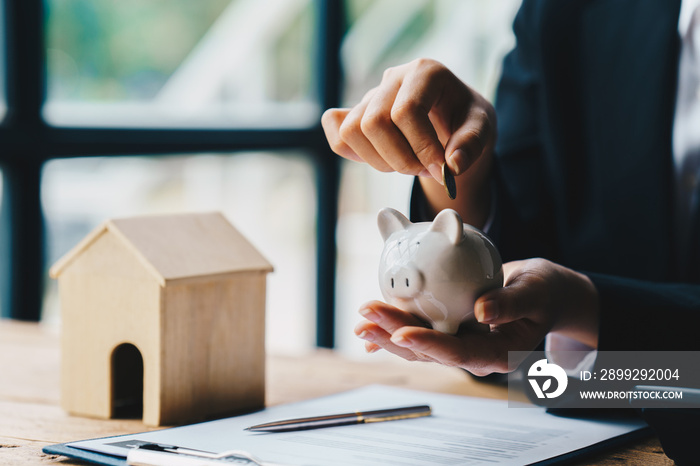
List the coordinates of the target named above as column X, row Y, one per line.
column 372, row 348
column 486, row 311
column 436, row 171
column 456, row 161
column 369, row 314
column 401, row 341
column 425, row 174
column 363, row 334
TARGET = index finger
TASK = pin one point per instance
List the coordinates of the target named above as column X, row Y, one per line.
column 331, row 121
column 388, row 317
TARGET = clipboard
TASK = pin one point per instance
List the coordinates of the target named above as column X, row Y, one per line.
column 64, row 449
column 158, row 457
column 455, row 416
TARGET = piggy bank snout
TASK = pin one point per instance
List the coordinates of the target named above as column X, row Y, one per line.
column 403, row 282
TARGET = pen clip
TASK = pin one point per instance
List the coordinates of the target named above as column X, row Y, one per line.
column 397, row 417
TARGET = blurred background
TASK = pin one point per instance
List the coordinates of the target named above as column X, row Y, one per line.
column 243, row 65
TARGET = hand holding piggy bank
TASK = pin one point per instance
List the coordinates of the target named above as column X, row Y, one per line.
column 436, row 270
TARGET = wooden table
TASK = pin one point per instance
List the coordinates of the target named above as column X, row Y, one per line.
column 30, row 415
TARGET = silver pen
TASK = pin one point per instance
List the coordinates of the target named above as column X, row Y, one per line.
column 333, row 420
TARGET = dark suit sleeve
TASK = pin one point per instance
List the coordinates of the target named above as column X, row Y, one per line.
column 647, row 316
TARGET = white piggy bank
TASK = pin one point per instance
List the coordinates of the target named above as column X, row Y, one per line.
column 436, row 270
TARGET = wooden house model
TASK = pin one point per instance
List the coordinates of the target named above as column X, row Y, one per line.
column 164, row 315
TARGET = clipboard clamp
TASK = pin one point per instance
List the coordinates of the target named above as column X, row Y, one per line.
column 156, row 454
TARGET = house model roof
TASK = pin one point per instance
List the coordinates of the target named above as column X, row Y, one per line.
column 176, row 247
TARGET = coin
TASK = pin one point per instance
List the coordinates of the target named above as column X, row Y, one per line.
column 448, row 179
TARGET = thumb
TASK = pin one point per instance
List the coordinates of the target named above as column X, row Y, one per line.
column 510, row 303
column 469, row 141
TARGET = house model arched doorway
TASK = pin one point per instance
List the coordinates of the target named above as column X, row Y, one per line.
column 127, row 382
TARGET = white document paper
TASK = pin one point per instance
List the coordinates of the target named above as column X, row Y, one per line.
column 461, row 431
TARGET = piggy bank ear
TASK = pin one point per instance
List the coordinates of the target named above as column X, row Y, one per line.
column 391, row 221
column 450, row 223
